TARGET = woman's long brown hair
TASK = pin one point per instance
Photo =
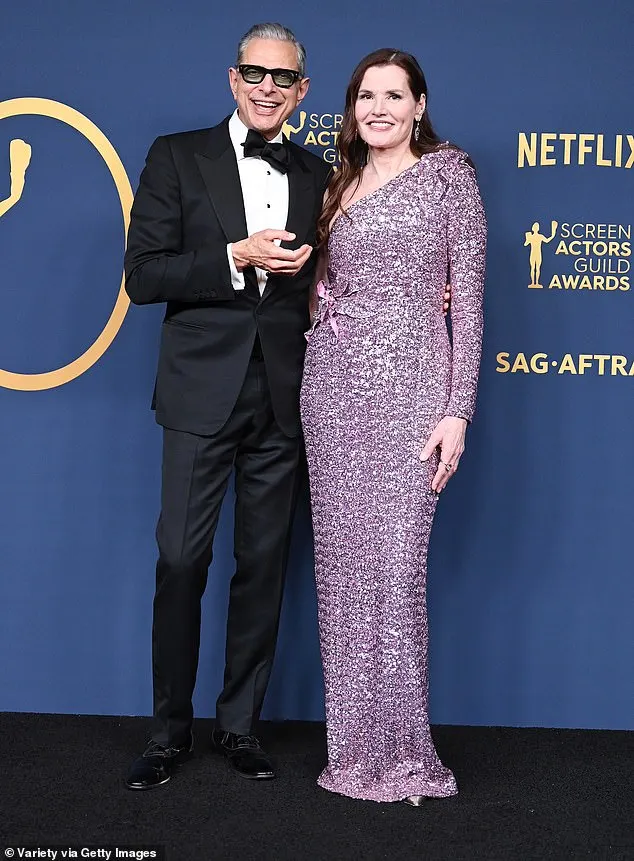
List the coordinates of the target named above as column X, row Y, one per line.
column 353, row 150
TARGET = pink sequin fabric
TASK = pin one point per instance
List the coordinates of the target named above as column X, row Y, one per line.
column 379, row 375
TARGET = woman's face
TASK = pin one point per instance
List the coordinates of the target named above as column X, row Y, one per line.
column 386, row 109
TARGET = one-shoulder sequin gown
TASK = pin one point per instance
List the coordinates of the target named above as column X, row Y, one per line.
column 379, row 375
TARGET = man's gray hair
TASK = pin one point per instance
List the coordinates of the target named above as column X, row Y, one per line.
column 273, row 31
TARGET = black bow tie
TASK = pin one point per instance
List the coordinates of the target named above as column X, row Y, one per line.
column 276, row 154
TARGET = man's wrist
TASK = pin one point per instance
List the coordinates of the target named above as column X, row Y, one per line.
column 239, row 258
column 237, row 278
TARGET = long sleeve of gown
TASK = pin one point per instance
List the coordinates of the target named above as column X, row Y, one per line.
column 466, row 234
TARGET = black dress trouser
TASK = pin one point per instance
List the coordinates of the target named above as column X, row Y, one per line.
column 196, row 470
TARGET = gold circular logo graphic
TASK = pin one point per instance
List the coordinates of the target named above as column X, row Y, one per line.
column 71, row 117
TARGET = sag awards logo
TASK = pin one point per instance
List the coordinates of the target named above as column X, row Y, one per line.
column 20, row 154
column 577, row 257
column 586, row 256
column 319, row 130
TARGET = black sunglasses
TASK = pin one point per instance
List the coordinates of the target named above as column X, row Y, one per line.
column 281, row 77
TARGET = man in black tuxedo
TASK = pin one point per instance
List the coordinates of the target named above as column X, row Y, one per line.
column 223, row 231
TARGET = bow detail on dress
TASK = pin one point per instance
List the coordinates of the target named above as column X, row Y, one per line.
column 344, row 300
column 327, row 304
column 326, row 312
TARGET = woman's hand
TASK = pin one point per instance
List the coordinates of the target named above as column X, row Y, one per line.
column 448, row 435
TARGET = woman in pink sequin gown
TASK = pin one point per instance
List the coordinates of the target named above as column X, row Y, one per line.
column 383, row 388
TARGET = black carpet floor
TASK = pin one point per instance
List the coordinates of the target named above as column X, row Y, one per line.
column 524, row 794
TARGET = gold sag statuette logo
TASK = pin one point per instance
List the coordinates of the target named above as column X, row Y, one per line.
column 535, row 240
column 597, row 256
column 320, row 130
column 20, row 157
column 288, row 129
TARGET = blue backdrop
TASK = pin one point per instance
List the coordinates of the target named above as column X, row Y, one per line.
column 531, row 588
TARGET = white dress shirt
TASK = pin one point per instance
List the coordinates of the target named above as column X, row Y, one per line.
column 265, row 196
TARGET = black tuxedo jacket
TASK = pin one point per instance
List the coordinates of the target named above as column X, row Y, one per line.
column 187, row 208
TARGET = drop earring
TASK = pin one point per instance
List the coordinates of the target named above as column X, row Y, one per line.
column 417, row 131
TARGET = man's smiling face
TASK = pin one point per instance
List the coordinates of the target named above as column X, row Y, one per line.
column 264, row 106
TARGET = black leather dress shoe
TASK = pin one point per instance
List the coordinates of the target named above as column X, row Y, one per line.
column 244, row 754
column 154, row 767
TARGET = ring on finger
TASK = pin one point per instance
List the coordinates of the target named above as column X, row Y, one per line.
column 448, row 466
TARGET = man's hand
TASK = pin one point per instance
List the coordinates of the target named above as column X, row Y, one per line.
column 262, row 249
column 446, row 299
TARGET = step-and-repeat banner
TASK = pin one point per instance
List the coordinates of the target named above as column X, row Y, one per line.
column 531, row 584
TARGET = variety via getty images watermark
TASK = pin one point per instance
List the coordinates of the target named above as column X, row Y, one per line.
column 106, row 853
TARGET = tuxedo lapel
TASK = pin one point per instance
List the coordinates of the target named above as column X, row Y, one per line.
column 219, row 169
column 301, row 201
